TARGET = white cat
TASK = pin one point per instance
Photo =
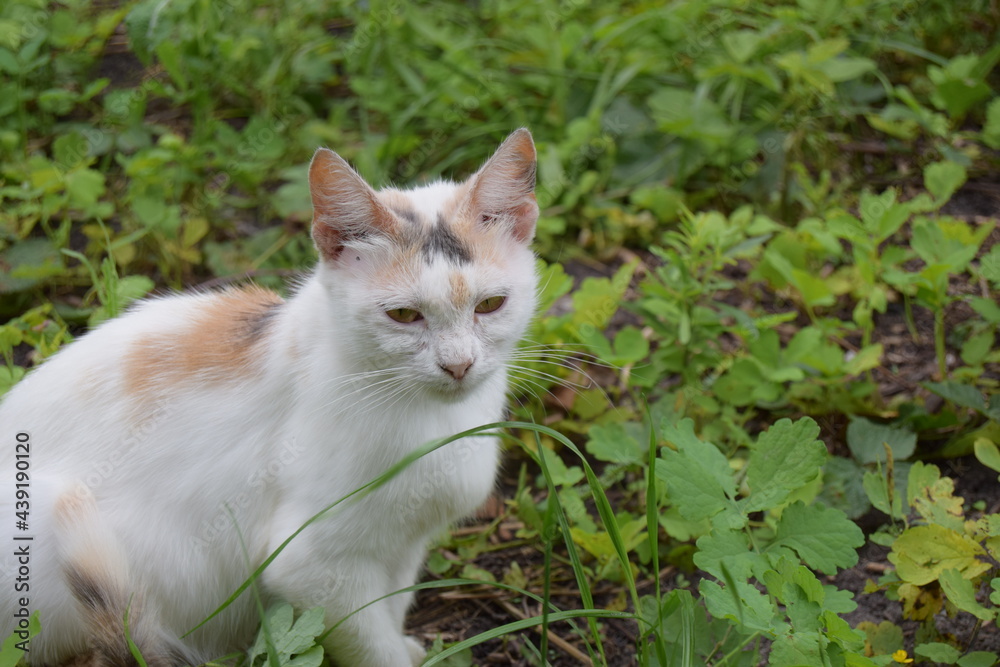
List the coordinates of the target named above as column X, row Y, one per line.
column 170, row 451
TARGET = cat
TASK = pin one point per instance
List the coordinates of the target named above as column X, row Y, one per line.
column 171, row 450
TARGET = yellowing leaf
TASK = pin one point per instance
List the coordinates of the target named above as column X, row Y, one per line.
column 921, row 553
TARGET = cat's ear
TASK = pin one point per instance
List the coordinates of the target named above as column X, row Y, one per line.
column 503, row 190
column 345, row 207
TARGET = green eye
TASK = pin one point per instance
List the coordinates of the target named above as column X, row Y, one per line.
column 404, row 315
column 490, row 304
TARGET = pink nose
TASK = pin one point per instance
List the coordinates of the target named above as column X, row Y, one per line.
column 458, row 370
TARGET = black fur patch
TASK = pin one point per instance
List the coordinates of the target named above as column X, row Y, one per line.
column 88, row 591
column 406, row 214
column 440, row 240
column 257, row 323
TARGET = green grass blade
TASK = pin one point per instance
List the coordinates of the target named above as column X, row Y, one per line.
column 443, row 583
column 652, row 530
column 574, row 556
column 521, row 625
column 357, row 494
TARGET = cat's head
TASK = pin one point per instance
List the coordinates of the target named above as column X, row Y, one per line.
column 436, row 284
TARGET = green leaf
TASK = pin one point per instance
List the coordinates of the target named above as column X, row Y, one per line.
column 612, row 443
column 797, row 649
column 560, row 473
column 785, row 458
column 597, row 299
column 815, row 291
column 977, row 347
column 630, row 346
column 843, row 488
column 697, row 475
column 884, row 638
column 290, row 639
column 937, row 652
column 823, row 537
column 963, row 595
column 10, row 654
column 964, row 395
column 746, row 606
column 865, row 439
column 9, row 377
column 942, row 179
column 726, row 548
column 932, row 496
column 978, row 659
column 987, row 453
column 28, row 263
column 921, row 553
column 989, row 268
column 84, row 187
column 991, row 129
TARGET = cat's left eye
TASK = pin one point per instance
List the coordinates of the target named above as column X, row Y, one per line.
column 404, row 315
column 490, row 304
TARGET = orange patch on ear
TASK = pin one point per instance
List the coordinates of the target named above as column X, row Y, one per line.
column 345, row 207
column 502, row 193
column 222, row 343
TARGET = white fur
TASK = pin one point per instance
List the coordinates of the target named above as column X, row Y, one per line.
column 267, row 451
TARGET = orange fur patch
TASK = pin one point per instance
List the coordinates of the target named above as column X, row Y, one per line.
column 222, row 342
column 461, row 295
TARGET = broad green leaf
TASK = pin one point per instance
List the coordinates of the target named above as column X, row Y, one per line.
column 785, row 458
column 964, row 395
column 10, row 651
column 746, row 606
column 9, row 377
column 726, row 547
column 561, row 474
column 845, row 69
column 597, row 299
column 987, row 453
column 865, row 439
column 824, row 538
column 630, row 346
column 797, row 649
column 612, row 443
column 978, row 659
column 937, row 652
column 881, row 215
column 977, row 347
column 84, row 187
column 921, row 553
column 28, row 263
column 942, row 179
column 989, row 267
column 843, row 488
column 311, row 657
column 815, row 291
column 884, row 638
column 963, row 595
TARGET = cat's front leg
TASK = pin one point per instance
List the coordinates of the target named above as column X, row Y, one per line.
column 364, row 636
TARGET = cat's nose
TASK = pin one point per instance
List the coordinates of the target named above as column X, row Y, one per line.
column 457, row 370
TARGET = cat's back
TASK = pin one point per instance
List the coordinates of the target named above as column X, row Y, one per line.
column 163, row 351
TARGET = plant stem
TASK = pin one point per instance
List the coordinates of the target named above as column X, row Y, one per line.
column 939, row 347
column 739, row 648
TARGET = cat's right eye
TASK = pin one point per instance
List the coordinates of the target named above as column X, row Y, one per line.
column 404, row 315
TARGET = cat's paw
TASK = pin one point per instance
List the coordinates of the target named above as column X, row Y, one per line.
column 416, row 651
